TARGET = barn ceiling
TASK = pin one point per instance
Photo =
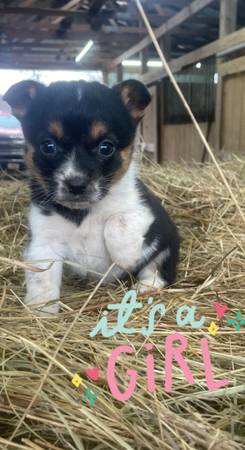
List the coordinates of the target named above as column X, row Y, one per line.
column 50, row 33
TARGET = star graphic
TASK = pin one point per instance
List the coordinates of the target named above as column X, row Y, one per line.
column 238, row 322
column 213, row 328
column 89, row 396
column 76, row 380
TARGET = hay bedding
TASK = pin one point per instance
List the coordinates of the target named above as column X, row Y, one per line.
column 39, row 406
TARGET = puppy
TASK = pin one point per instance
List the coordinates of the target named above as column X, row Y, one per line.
column 88, row 206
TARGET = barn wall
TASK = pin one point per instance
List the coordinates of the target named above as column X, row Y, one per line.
column 181, row 142
column 233, row 114
column 167, row 126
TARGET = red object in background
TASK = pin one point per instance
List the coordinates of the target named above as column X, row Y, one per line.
column 9, row 125
column 11, row 142
column 10, row 131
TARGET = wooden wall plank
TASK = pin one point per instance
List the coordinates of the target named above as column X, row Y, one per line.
column 242, row 119
column 234, row 66
column 226, row 135
column 182, row 143
column 233, row 117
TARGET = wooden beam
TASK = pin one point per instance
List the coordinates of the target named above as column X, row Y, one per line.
column 123, row 30
column 25, row 3
column 37, row 51
column 51, row 49
column 165, row 43
column 105, row 77
column 37, row 65
column 227, row 24
column 66, row 7
column 175, row 3
column 195, row 7
column 20, row 33
column 42, row 12
column 144, row 58
column 119, row 73
column 133, row 31
column 49, row 27
column 197, row 55
column 55, row 45
column 234, row 66
column 134, row 16
column 53, row 54
column 228, row 17
column 23, row 33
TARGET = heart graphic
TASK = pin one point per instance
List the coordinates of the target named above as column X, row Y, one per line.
column 220, row 309
column 93, row 373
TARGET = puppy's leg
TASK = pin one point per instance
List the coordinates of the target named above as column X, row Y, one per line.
column 125, row 241
column 161, row 271
column 150, row 278
column 42, row 287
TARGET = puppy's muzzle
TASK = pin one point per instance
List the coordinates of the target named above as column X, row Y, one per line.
column 76, row 185
column 77, row 192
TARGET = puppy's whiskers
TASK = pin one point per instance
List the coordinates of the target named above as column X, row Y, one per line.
column 43, row 199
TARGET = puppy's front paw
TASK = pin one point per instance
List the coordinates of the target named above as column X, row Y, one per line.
column 149, row 284
column 42, row 305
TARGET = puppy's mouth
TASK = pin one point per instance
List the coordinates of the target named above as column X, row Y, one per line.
column 77, row 196
column 75, row 204
column 78, row 201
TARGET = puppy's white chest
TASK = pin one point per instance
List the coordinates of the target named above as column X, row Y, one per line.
column 86, row 247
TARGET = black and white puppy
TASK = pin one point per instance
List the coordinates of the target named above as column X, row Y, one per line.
column 88, row 206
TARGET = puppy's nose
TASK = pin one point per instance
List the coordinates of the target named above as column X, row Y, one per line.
column 76, row 185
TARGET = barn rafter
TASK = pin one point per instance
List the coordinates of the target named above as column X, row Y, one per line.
column 56, row 30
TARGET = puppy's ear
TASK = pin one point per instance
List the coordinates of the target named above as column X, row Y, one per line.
column 20, row 95
column 135, row 97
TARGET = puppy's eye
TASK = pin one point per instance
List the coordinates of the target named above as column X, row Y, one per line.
column 48, row 147
column 106, row 149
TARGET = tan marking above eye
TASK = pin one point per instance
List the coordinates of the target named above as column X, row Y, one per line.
column 125, row 96
column 97, row 130
column 32, row 91
column 55, row 128
column 136, row 113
